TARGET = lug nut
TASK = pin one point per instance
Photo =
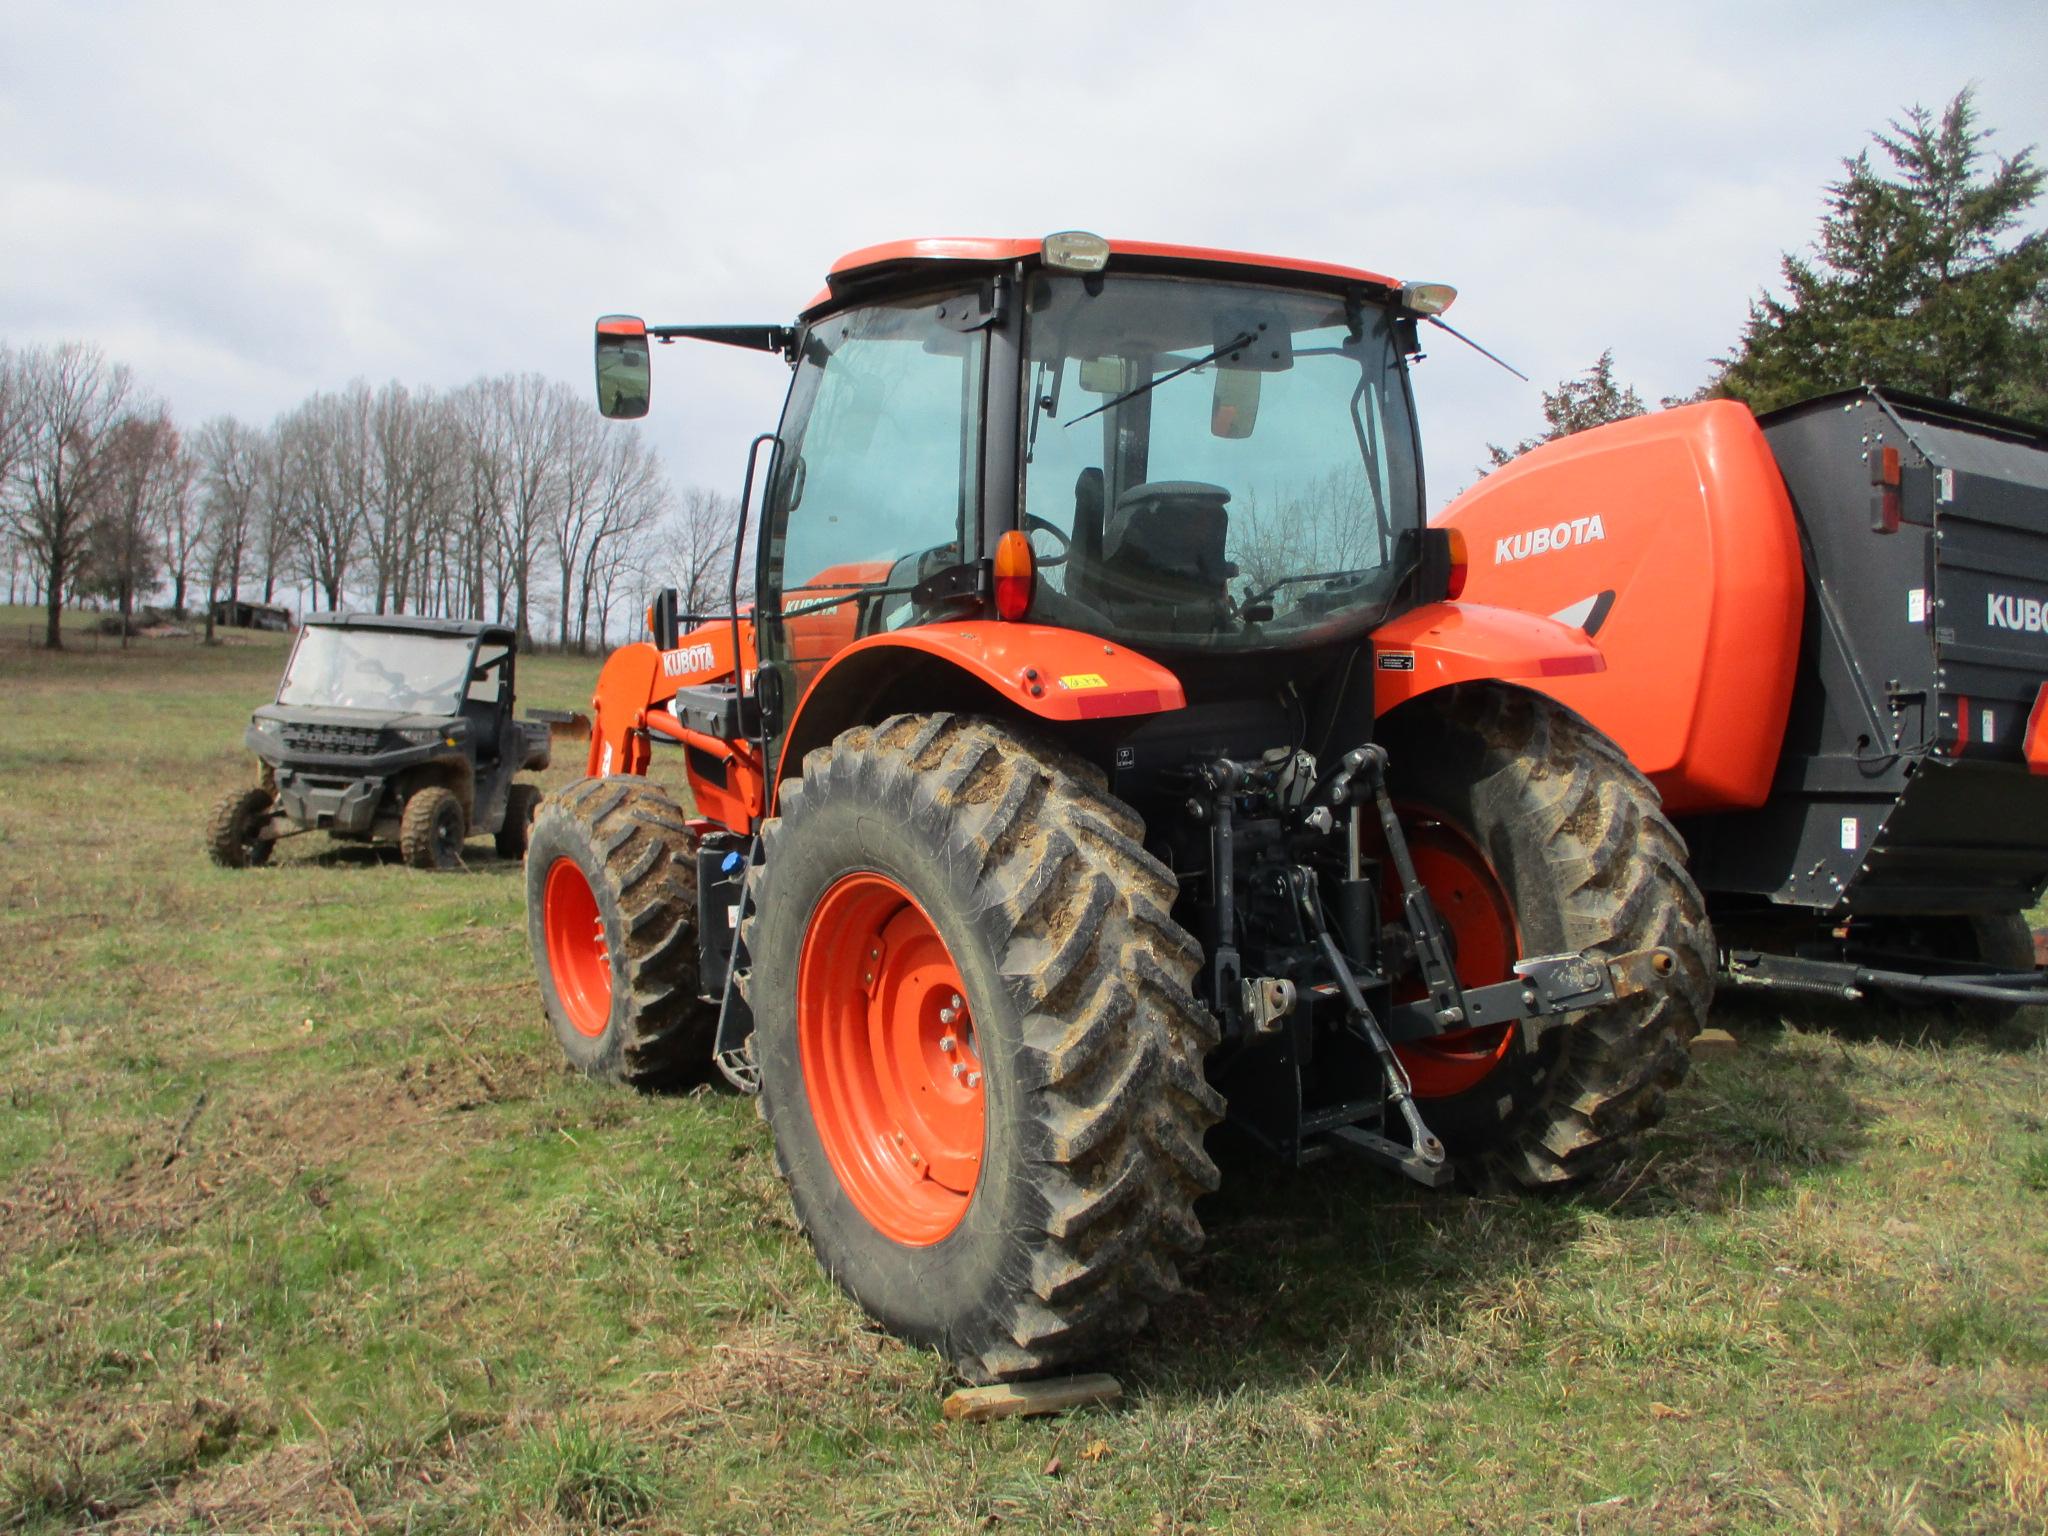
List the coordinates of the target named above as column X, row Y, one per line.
column 974, row 1079
column 947, row 1042
column 948, row 1015
column 959, row 1070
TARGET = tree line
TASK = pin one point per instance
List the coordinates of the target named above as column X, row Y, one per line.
column 508, row 498
column 1920, row 279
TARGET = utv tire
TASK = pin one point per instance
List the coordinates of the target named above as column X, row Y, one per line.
column 432, row 829
column 1011, row 1185
column 611, row 918
column 1519, row 802
column 233, row 830
column 521, row 801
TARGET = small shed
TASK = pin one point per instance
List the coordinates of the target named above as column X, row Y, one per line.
column 240, row 613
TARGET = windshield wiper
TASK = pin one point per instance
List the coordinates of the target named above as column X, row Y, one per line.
column 1242, row 339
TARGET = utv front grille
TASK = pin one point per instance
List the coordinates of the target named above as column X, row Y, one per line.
column 332, row 740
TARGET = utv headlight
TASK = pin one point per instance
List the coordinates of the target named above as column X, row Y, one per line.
column 420, row 735
column 264, row 727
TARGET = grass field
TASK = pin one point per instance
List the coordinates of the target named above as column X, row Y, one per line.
column 302, row 1227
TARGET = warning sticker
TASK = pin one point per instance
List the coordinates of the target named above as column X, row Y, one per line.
column 1084, row 680
column 1916, row 606
column 1848, row 834
column 1397, row 661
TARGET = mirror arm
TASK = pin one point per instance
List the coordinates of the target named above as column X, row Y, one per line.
column 756, row 338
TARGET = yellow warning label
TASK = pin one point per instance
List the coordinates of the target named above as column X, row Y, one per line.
column 1084, row 680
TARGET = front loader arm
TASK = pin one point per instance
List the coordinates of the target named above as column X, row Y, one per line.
column 726, row 777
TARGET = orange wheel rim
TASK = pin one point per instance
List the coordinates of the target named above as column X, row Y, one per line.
column 885, row 1032
column 578, row 959
column 1473, row 906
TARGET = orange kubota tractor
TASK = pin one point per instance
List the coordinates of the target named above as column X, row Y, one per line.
column 1044, row 806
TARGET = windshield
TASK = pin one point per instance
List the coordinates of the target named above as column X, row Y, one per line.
column 1214, row 464
column 377, row 669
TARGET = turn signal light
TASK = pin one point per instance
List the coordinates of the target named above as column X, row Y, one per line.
column 1016, row 574
column 1455, row 586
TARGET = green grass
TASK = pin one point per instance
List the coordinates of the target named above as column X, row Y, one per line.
column 303, row 1227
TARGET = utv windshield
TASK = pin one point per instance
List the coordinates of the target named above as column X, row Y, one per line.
column 383, row 669
column 1214, row 464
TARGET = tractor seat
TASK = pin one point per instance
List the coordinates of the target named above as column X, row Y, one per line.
column 1163, row 562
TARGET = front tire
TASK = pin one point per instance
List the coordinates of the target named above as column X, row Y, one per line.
column 1535, row 835
column 432, row 829
column 234, row 837
column 1026, row 1210
column 611, row 919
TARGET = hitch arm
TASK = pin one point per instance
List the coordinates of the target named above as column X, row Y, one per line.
column 1423, row 1158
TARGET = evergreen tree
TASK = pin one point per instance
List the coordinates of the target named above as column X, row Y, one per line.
column 1918, row 280
column 1591, row 399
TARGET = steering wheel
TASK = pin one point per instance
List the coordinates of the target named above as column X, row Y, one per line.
column 1033, row 523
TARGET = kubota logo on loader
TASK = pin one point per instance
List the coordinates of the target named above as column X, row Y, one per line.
column 1541, row 541
column 2004, row 611
column 691, row 658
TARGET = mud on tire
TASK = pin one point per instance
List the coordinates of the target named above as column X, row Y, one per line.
column 231, row 831
column 1588, row 861
column 631, row 1013
column 1080, row 983
column 432, row 828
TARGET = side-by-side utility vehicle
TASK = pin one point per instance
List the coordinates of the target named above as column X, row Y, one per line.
column 1826, row 643
column 389, row 729
column 1047, row 804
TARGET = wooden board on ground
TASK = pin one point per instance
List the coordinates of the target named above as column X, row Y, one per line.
column 1055, row 1394
column 1713, row 1042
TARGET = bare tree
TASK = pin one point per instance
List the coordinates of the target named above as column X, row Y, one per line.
column 326, row 449
column 72, row 400
column 229, row 455
column 538, row 413
column 695, row 549
column 146, row 478
column 276, row 533
column 479, row 510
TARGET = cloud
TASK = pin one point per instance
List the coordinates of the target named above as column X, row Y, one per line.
column 250, row 202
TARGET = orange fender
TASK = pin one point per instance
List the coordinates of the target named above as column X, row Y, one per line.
column 1439, row 644
column 1053, row 673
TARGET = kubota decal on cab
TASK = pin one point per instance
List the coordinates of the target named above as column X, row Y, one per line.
column 1541, row 541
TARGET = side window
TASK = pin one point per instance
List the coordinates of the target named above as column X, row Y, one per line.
column 880, row 473
column 490, row 661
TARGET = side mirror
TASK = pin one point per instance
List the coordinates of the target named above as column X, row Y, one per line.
column 624, row 376
column 662, row 618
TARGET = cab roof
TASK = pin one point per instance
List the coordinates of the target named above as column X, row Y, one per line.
column 461, row 629
column 888, row 265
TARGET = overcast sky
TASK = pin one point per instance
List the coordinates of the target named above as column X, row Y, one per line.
column 251, row 202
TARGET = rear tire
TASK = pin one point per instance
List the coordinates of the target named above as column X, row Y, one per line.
column 611, row 918
column 233, row 830
column 432, row 829
column 945, row 849
column 1584, row 858
column 521, row 802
